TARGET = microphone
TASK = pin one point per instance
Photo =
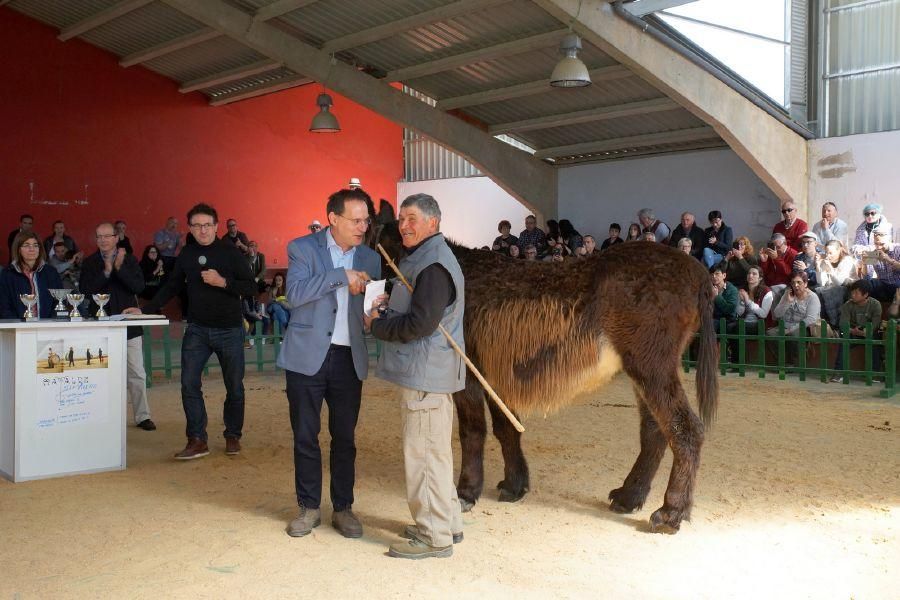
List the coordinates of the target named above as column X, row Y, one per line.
column 202, row 260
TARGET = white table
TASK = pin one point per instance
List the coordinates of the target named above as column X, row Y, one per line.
column 61, row 417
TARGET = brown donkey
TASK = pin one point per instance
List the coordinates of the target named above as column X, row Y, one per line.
column 543, row 333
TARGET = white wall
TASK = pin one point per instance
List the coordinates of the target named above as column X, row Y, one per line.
column 471, row 207
column 855, row 170
column 594, row 195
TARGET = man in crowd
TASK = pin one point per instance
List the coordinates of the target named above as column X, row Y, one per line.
column 649, row 222
column 615, row 231
column 110, row 270
column 123, row 241
column 314, row 226
column 726, row 300
column 805, row 260
column 215, row 275
column 169, row 242
column 59, row 235
column 531, row 252
column 777, row 262
column 257, row 261
column 590, row 246
column 68, row 265
column 688, row 229
column 532, row 235
column 887, row 269
column 857, row 312
column 238, row 238
column 26, row 223
column 830, row 227
column 791, row 227
column 325, row 356
column 417, row 357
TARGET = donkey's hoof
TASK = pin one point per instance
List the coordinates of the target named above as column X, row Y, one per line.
column 625, row 501
column 510, row 495
column 666, row 520
column 466, row 505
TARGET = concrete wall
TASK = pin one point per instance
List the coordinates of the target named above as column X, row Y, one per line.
column 471, row 207
column 594, row 195
column 855, row 170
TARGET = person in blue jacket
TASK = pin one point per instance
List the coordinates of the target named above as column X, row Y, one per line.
column 28, row 273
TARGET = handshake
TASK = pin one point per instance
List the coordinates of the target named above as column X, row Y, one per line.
column 357, row 280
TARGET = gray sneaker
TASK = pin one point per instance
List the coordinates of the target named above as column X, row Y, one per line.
column 303, row 525
column 412, row 533
column 415, row 549
column 346, row 523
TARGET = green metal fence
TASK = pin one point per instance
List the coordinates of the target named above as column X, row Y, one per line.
column 762, row 353
column 162, row 351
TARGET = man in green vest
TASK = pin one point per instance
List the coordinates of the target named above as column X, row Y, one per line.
column 417, row 357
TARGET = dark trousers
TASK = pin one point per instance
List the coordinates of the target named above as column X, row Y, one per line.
column 882, row 291
column 198, row 345
column 337, row 384
column 877, row 352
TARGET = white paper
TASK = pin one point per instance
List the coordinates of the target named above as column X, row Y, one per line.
column 373, row 290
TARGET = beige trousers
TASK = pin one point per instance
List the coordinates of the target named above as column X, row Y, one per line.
column 136, row 380
column 428, row 462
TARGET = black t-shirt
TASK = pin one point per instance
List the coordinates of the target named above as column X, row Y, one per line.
column 606, row 243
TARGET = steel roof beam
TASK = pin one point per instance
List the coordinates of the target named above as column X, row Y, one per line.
column 280, row 7
column 260, row 90
column 228, row 76
column 633, row 141
column 591, row 115
column 164, row 48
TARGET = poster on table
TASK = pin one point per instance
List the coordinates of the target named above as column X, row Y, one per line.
column 72, row 380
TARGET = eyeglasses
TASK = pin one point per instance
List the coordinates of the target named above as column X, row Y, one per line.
column 202, row 226
column 356, row 222
column 871, row 213
column 785, row 211
column 31, row 246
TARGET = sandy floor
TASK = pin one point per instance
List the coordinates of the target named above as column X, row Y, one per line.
column 798, row 497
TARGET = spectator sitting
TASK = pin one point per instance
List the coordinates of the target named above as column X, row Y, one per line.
column 614, row 230
column 314, row 226
column 514, row 251
column 798, row 307
column 29, row 273
column 59, row 235
column 648, row 236
column 740, row 259
column 886, row 259
column 834, row 272
column 590, row 246
column 792, row 227
column 531, row 252
column 257, row 262
column 649, row 222
column 123, row 241
column 634, row 233
column 777, row 260
column 864, row 240
column 685, row 245
column 754, row 304
column 253, row 314
column 168, row 242
column 278, row 309
column 717, row 243
column 726, row 300
column 553, row 234
column 238, row 238
column 26, row 223
column 857, row 312
column 67, row 265
column 154, row 271
column 807, row 257
column 830, row 227
column 689, row 229
column 570, row 236
column 532, row 235
column 503, row 241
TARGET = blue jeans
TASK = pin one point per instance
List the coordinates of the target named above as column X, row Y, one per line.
column 711, row 258
column 198, row 345
column 279, row 315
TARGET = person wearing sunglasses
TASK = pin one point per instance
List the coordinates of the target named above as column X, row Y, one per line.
column 791, row 226
column 864, row 241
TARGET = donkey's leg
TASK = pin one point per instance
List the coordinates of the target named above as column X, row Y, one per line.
column 515, row 469
column 683, row 430
column 630, row 497
column 472, row 431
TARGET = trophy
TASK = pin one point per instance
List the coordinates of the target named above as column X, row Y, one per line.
column 60, row 312
column 29, row 300
column 75, row 300
column 101, row 300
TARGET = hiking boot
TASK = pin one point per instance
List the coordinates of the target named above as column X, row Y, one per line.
column 232, row 446
column 412, row 533
column 836, row 379
column 303, row 525
column 416, row 549
column 346, row 523
column 147, row 425
column 195, row 448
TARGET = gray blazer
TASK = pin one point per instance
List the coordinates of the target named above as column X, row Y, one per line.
column 310, row 292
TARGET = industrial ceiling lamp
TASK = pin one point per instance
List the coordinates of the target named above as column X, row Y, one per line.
column 324, row 121
column 570, row 71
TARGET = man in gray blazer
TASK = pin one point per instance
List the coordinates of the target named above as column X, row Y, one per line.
column 324, row 355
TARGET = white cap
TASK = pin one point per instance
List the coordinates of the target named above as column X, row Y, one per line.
column 354, row 183
column 809, row 234
column 315, row 222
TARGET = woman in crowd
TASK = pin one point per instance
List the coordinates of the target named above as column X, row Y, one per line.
column 718, row 239
column 864, row 240
column 503, row 241
column 740, row 259
column 29, row 273
column 571, row 239
column 834, row 272
column 754, row 304
column 278, row 309
column 553, row 232
column 154, row 273
column 685, row 244
column 634, row 233
column 798, row 307
column 59, row 235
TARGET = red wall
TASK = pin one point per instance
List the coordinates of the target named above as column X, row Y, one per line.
column 70, row 117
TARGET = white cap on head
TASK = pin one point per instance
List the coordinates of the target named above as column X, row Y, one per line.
column 315, row 222
column 809, row 234
column 354, row 183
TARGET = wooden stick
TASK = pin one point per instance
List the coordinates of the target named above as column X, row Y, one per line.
column 487, row 387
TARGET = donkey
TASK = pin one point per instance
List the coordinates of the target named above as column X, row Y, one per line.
column 541, row 334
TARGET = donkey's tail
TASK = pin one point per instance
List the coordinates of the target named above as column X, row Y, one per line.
column 707, row 359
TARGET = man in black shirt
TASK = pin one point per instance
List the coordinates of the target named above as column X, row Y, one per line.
column 26, row 223
column 215, row 275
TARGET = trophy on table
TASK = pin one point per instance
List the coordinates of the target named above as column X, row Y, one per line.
column 75, row 300
column 60, row 313
column 29, row 300
column 101, row 300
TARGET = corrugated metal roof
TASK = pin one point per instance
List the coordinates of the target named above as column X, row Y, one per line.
column 636, row 152
column 142, row 28
column 60, row 13
column 248, row 83
column 216, row 55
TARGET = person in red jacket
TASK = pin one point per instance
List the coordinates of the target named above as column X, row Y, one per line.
column 792, row 227
column 777, row 260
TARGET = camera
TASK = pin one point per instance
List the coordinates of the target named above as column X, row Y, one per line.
column 770, row 245
column 557, row 251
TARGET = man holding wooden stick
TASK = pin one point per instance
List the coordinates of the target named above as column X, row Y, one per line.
column 417, row 357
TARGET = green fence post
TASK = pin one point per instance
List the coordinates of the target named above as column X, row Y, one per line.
column 867, row 365
column 277, row 341
column 761, row 348
column 890, row 359
column 723, row 346
column 823, row 350
column 742, row 346
column 258, row 342
column 845, row 358
column 167, row 352
column 801, row 351
column 782, row 347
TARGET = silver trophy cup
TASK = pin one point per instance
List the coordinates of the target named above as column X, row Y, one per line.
column 101, row 300
column 60, row 311
column 29, row 300
column 75, row 300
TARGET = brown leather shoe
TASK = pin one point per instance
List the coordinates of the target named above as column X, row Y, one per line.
column 346, row 523
column 195, row 448
column 304, row 524
column 412, row 532
column 232, row 446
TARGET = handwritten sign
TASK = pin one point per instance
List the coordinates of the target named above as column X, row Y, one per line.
column 70, row 399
